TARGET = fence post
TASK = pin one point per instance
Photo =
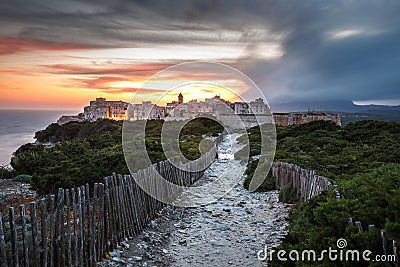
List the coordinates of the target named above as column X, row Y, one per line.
column 35, row 243
column 43, row 214
column 59, row 229
column 52, row 225
column 108, row 217
column 101, row 230
column 13, row 230
column 86, row 192
column 81, row 230
column 73, row 195
column 69, row 242
column 92, row 229
column 384, row 241
column 3, row 244
column 24, row 239
column 359, row 226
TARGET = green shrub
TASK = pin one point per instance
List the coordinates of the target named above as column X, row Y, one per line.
column 23, row 178
column 288, row 194
column 6, row 172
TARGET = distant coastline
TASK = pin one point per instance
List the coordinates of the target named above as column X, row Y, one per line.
column 18, row 127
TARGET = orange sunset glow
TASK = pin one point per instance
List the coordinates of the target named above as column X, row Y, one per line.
column 60, row 55
column 38, row 75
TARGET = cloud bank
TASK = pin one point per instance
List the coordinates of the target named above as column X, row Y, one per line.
column 294, row 50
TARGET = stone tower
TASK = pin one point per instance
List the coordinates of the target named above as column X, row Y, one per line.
column 180, row 98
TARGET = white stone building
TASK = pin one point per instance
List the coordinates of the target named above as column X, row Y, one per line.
column 103, row 109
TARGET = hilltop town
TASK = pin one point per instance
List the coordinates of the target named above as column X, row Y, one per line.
column 180, row 110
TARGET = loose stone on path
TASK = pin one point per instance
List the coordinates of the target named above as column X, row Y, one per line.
column 228, row 232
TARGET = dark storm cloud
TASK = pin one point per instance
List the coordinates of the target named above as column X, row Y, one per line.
column 332, row 49
column 346, row 51
column 121, row 23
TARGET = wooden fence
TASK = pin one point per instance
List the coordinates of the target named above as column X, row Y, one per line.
column 80, row 225
column 307, row 183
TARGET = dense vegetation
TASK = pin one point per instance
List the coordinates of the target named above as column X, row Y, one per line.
column 392, row 115
column 82, row 152
column 363, row 158
column 6, row 172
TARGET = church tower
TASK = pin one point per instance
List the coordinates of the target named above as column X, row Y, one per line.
column 180, row 98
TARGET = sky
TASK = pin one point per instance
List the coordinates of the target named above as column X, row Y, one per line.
column 62, row 54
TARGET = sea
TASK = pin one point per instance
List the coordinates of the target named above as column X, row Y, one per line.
column 18, row 127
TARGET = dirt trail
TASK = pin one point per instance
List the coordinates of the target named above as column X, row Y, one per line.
column 228, row 232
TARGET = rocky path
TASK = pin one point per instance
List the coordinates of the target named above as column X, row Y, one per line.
column 228, row 232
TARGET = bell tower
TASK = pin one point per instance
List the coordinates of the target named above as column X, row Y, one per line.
column 180, row 98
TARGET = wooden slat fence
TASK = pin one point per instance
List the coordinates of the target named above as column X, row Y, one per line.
column 80, row 225
column 307, row 182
